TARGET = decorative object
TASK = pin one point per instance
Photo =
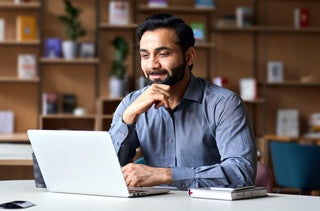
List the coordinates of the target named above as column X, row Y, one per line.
column 27, row 66
column 73, row 30
column 118, row 82
column 53, row 48
column 275, row 71
column 6, row 121
column 2, row 29
column 244, row 16
column 87, row 50
column 119, row 12
column 288, row 122
column 27, row 28
column 248, row 88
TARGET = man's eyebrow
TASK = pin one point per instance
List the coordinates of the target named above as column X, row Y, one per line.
column 163, row 48
column 157, row 49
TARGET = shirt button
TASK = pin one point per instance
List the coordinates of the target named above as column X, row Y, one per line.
column 123, row 133
column 170, row 140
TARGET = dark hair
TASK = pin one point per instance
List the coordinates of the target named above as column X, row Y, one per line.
column 162, row 20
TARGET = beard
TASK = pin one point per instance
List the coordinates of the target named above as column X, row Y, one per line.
column 177, row 75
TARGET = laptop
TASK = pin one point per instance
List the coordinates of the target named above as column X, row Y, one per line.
column 82, row 162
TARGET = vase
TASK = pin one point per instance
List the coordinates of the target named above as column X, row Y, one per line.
column 69, row 49
column 118, row 87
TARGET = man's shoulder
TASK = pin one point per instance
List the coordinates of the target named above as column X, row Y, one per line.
column 216, row 93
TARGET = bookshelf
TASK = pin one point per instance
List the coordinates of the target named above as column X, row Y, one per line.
column 229, row 51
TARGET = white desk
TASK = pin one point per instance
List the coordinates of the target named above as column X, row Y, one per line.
column 175, row 200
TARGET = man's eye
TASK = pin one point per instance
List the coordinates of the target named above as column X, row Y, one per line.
column 164, row 54
column 143, row 55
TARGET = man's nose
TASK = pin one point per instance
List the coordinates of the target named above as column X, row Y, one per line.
column 153, row 63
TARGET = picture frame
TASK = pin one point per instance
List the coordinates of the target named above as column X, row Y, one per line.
column 275, row 71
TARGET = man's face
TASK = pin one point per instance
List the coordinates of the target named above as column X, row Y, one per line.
column 162, row 60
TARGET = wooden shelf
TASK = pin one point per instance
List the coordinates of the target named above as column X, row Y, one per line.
column 70, row 61
column 205, row 45
column 67, row 116
column 15, row 154
column 18, row 80
column 22, row 5
column 113, row 26
column 177, row 9
column 17, row 42
column 262, row 28
column 292, row 83
column 256, row 101
column 292, row 29
column 256, row 28
column 14, row 137
column 107, row 116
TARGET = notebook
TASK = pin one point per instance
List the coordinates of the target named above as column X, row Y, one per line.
column 82, row 162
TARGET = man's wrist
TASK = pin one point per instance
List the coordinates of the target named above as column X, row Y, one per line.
column 129, row 117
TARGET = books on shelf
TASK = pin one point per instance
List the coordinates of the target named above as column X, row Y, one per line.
column 228, row 193
column 27, row 66
column 204, row 3
column 119, row 12
column 69, row 103
column 275, row 71
column 314, row 122
column 6, row 121
column 198, row 31
column 221, row 81
column 226, row 20
column 157, row 3
column 244, row 16
column 53, row 48
column 288, row 122
column 50, row 103
column 248, row 88
column 26, row 28
column 2, row 29
column 301, row 18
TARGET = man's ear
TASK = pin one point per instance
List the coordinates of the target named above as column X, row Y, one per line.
column 190, row 56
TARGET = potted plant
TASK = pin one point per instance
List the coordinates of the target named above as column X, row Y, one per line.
column 73, row 30
column 118, row 81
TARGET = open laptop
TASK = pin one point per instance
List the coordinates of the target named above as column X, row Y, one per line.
column 82, row 162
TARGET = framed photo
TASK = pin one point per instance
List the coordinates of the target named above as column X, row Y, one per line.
column 275, row 71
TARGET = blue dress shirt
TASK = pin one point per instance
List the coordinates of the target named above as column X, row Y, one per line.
column 206, row 140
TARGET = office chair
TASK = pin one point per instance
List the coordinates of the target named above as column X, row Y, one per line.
column 140, row 161
column 296, row 165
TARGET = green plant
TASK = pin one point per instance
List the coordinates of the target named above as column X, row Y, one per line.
column 71, row 21
column 118, row 67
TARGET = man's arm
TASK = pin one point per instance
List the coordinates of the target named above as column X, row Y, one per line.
column 122, row 129
column 236, row 145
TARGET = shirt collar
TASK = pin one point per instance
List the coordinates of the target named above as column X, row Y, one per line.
column 194, row 90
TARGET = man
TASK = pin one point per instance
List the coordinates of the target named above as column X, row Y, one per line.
column 192, row 133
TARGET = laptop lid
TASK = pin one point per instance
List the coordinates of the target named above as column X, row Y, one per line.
column 83, row 162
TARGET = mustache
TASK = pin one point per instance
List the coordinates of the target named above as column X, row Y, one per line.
column 157, row 72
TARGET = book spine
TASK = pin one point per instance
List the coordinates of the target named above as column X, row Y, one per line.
column 2, row 29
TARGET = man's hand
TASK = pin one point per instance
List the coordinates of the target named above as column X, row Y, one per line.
column 138, row 175
column 157, row 94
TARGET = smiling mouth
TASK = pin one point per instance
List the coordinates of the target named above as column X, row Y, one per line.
column 157, row 74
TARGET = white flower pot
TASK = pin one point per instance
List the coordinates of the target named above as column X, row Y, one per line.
column 69, row 49
column 118, row 87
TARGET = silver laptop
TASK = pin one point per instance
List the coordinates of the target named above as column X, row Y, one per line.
column 82, row 162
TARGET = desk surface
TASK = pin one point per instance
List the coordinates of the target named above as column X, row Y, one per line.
column 175, row 200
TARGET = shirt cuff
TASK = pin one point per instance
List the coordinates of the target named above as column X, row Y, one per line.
column 182, row 177
column 121, row 132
